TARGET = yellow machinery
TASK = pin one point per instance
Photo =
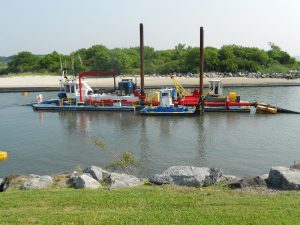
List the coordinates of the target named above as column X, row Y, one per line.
column 179, row 89
column 232, row 96
column 156, row 96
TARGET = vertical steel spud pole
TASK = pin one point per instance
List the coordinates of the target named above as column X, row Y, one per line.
column 201, row 68
column 142, row 58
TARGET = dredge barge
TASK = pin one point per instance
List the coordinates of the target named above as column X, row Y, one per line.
column 77, row 95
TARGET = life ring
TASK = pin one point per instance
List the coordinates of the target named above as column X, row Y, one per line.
column 3, row 155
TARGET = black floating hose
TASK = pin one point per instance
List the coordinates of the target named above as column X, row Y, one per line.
column 281, row 110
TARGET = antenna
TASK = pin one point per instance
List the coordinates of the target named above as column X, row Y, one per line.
column 62, row 73
column 65, row 64
column 61, row 67
column 80, row 60
column 73, row 70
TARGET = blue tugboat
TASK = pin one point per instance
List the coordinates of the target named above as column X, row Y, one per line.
column 167, row 108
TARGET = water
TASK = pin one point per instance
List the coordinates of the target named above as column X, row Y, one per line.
column 239, row 144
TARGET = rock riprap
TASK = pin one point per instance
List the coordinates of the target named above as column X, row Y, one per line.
column 37, row 182
column 249, row 182
column 86, row 181
column 122, row 180
column 188, row 176
column 97, row 173
column 285, row 178
column 289, row 75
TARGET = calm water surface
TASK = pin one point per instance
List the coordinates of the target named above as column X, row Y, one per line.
column 239, row 144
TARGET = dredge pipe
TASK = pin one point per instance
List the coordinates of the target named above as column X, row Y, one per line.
column 281, row 110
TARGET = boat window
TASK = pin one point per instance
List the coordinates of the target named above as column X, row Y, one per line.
column 164, row 94
column 70, row 88
column 67, row 88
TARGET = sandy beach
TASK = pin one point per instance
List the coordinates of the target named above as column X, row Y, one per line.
column 52, row 82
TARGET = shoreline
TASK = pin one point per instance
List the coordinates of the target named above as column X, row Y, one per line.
column 51, row 83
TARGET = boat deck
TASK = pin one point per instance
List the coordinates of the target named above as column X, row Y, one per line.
column 54, row 107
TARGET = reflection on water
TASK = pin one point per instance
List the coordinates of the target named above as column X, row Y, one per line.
column 144, row 144
column 41, row 117
column 241, row 144
column 76, row 122
column 200, row 159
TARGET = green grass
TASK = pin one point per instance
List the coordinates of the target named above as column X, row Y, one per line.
column 149, row 205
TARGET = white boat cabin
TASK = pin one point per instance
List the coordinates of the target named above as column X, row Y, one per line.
column 72, row 89
column 165, row 96
column 215, row 87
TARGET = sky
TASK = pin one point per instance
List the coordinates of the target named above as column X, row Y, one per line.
column 42, row 26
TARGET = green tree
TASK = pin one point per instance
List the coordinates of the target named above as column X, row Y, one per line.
column 280, row 56
column 98, row 58
column 51, row 62
column 121, row 62
column 80, row 60
column 211, row 59
column 229, row 65
column 23, row 62
column 134, row 55
column 192, row 60
column 229, row 58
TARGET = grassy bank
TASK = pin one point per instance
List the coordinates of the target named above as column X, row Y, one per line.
column 149, row 205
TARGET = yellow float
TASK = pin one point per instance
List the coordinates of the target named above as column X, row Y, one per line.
column 3, row 155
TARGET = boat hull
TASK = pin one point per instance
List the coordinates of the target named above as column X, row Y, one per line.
column 168, row 111
column 224, row 109
column 52, row 107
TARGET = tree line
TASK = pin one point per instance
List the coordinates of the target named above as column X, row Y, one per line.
column 183, row 59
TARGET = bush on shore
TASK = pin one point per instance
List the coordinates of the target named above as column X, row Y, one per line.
column 182, row 59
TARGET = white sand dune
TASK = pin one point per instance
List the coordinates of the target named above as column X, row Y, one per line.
column 53, row 81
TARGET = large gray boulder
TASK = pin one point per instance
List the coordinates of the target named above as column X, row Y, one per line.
column 188, row 176
column 37, row 182
column 284, row 178
column 117, row 180
column 228, row 179
column 97, row 173
column 249, row 181
column 86, row 181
